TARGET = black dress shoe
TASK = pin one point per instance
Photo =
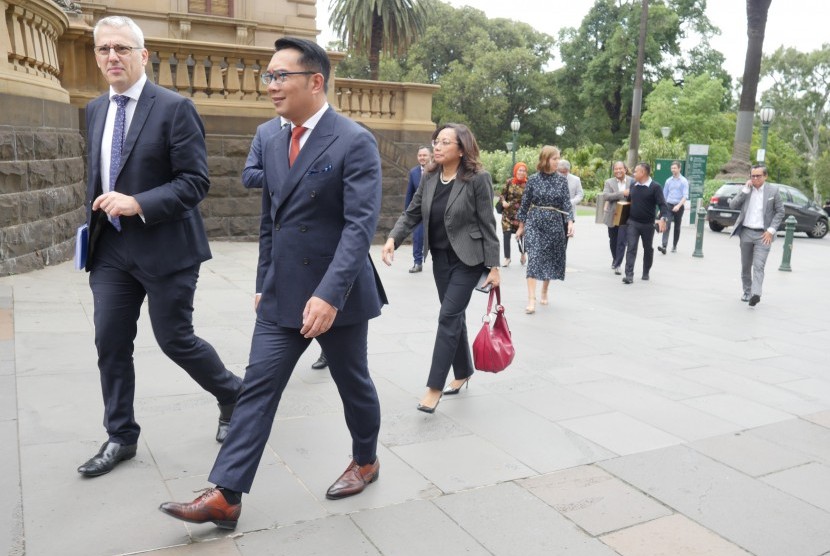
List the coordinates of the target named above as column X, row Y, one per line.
column 645, row 277
column 662, row 250
column 321, row 363
column 225, row 413
column 754, row 300
column 106, row 459
column 617, row 270
column 745, row 297
column 416, row 268
column 628, row 280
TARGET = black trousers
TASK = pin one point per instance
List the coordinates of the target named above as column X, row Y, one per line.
column 455, row 282
column 613, row 231
column 506, row 244
column 118, row 291
column 675, row 218
column 638, row 231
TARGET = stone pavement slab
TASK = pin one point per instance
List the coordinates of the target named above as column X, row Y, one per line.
column 594, row 499
column 745, row 511
column 508, row 520
column 674, row 535
column 624, row 404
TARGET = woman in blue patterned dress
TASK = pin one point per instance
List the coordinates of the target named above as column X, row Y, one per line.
column 546, row 217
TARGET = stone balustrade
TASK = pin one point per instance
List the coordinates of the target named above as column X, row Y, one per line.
column 29, row 36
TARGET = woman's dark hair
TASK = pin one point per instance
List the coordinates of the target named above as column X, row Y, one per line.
column 470, row 163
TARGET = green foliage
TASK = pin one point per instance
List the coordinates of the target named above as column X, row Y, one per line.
column 596, row 84
column 500, row 163
column 801, row 97
column 373, row 26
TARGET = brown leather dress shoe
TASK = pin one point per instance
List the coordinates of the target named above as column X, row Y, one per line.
column 353, row 480
column 210, row 506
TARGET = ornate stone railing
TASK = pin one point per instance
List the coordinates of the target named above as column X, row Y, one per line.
column 219, row 77
column 29, row 35
column 384, row 105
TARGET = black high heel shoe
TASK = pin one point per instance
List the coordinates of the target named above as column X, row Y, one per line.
column 453, row 391
column 428, row 409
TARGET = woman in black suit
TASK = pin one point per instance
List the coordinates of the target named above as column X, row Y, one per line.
column 455, row 204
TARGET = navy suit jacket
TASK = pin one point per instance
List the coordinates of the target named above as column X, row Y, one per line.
column 414, row 180
column 164, row 166
column 318, row 220
column 252, row 174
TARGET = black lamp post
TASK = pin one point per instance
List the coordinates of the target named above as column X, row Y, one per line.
column 515, row 124
column 767, row 114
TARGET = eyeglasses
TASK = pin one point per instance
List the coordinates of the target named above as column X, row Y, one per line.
column 281, row 76
column 753, row 176
column 444, row 142
column 120, row 49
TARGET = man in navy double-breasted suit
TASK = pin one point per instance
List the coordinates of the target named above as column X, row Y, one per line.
column 320, row 207
column 147, row 173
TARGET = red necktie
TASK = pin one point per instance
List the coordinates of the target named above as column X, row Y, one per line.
column 294, row 151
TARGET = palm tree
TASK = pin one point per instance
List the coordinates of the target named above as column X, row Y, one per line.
column 375, row 26
column 756, row 24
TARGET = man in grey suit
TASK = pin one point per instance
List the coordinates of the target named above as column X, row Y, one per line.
column 147, row 172
column 761, row 213
column 320, row 208
column 616, row 189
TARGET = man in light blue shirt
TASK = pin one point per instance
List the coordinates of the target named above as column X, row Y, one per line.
column 676, row 192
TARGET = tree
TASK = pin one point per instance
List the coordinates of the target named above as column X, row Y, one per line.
column 374, row 26
column 801, row 97
column 596, row 84
column 756, row 24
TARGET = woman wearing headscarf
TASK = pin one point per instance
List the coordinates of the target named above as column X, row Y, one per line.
column 546, row 217
column 511, row 200
column 455, row 204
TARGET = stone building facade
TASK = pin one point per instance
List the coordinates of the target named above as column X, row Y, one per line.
column 51, row 75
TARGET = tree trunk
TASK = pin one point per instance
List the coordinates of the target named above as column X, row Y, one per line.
column 375, row 46
column 637, row 97
column 756, row 19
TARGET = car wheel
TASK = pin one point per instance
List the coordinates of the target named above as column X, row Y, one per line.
column 819, row 229
column 715, row 227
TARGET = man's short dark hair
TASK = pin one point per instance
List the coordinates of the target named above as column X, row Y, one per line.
column 312, row 56
column 760, row 167
column 646, row 166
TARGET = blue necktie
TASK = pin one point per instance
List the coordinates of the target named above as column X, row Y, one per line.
column 117, row 146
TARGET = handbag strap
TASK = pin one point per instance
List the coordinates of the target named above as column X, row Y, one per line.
column 494, row 291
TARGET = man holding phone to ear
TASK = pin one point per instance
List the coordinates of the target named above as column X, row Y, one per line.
column 761, row 213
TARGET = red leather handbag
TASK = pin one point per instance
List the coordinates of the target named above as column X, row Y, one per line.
column 493, row 347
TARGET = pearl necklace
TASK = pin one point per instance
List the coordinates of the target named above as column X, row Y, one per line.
column 446, row 182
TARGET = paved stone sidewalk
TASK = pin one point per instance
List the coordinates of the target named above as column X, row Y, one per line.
column 661, row 418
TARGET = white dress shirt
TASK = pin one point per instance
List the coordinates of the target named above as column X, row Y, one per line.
column 106, row 140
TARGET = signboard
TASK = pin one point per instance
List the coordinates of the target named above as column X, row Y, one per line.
column 696, row 174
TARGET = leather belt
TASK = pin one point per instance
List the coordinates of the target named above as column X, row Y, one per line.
column 755, row 229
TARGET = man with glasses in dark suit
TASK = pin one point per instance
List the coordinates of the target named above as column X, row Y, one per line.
column 147, row 173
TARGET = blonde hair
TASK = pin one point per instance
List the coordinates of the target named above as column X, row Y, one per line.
column 547, row 152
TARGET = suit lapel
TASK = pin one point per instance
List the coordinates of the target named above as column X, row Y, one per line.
column 318, row 141
column 96, row 134
column 457, row 186
column 142, row 110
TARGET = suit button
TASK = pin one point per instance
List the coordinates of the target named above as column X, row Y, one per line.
column 303, row 228
column 313, row 194
column 305, row 261
column 276, row 227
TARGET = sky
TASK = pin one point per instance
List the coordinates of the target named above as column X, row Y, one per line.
column 801, row 24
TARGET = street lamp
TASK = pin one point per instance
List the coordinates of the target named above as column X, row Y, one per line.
column 515, row 124
column 666, row 131
column 767, row 114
